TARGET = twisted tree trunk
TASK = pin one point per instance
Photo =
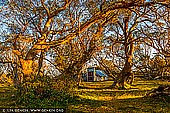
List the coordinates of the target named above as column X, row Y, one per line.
column 16, row 80
column 126, row 72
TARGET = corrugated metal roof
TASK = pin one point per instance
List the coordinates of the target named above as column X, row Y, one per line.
column 100, row 73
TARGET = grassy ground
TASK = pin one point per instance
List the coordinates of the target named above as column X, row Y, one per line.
column 96, row 97
column 6, row 96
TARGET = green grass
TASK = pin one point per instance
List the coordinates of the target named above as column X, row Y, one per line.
column 95, row 97
column 6, row 97
column 133, row 100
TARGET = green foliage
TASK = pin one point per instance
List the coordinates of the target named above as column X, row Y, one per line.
column 44, row 92
column 47, row 99
column 64, row 83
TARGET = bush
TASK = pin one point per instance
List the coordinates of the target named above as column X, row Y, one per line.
column 44, row 92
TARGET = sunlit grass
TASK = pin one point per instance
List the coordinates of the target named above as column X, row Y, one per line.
column 101, row 98
column 128, row 96
column 97, row 98
column 106, row 98
column 132, row 100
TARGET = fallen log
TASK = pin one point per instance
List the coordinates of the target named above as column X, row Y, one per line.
column 161, row 90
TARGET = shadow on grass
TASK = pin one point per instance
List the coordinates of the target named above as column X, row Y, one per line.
column 107, row 88
column 77, row 104
column 85, row 87
column 108, row 85
column 98, row 100
column 132, row 105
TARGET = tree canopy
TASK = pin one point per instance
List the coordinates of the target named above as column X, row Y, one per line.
column 68, row 33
